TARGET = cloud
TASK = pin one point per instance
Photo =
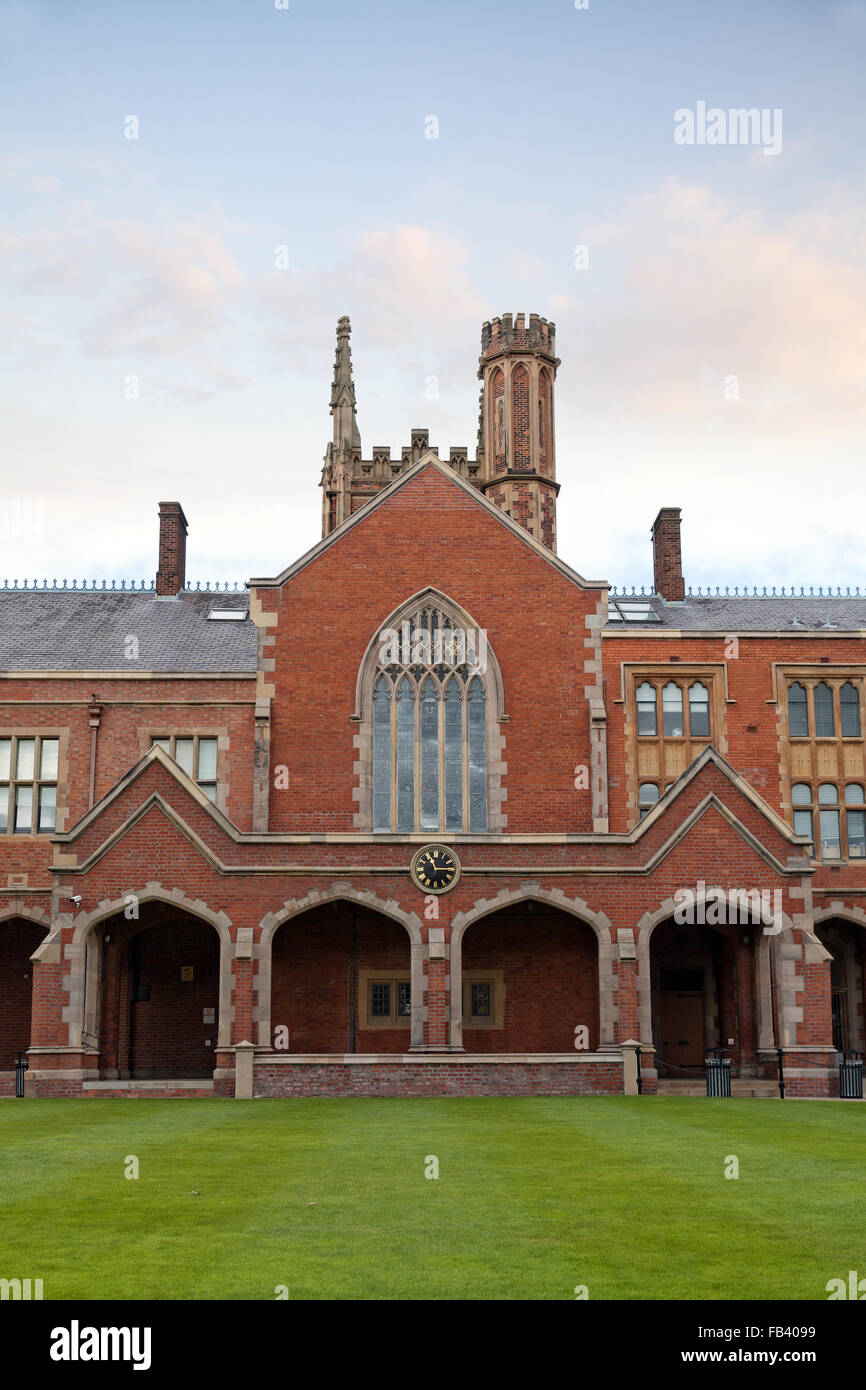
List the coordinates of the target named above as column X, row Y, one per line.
column 696, row 291
column 408, row 286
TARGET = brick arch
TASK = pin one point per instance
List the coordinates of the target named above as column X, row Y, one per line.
column 555, row 897
column 763, row 990
column 338, row 892
column 85, row 973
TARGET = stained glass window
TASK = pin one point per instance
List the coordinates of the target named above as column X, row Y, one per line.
column 429, row 726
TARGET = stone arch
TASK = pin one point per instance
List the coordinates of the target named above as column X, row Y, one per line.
column 853, row 916
column 363, row 682
column 521, row 417
column 30, row 914
column 85, row 966
column 17, row 995
column 763, row 1000
column 555, row 897
column 317, row 897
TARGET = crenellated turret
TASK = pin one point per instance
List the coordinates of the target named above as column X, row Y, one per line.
column 515, row 463
column 517, row 450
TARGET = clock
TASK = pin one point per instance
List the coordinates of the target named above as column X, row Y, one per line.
column 435, row 869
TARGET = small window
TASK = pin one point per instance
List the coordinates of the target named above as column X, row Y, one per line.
column 481, row 999
column 801, row 797
column 380, row 999
column 196, row 755
column 829, row 821
column 849, row 699
column 824, row 722
column 803, row 826
column 855, row 816
column 647, row 716
column 648, row 795
column 699, row 710
column 798, row 713
column 672, row 710
column 831, row 844
column 384, row 1000
column 227, row 615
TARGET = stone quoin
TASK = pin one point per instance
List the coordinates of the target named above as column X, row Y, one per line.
column 211, row 802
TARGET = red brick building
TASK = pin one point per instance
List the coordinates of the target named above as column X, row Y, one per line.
column 429, row 812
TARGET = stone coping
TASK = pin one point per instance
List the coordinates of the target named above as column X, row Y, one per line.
column 163, row 1084
column 371, row 1059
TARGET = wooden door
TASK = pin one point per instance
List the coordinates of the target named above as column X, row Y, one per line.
column 683, row 1036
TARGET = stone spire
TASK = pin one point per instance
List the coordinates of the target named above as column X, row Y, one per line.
column 343, row 391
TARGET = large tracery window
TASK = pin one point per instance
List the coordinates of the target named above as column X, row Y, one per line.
column 430, row 694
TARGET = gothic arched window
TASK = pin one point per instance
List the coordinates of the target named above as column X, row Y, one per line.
column 435, row 695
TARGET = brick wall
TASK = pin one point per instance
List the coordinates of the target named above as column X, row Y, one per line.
column 550, row 974
column 317, row 960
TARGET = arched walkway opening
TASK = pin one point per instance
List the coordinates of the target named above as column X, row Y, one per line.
column 18, row 940
column 703, row 996
column 846, row 942
column 341, row 981
column 530, row 978
column 159, row 994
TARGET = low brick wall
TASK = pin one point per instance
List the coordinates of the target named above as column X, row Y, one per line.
column 452, row 1077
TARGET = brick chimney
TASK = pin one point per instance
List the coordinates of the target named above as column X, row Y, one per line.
column 667, row 556
column 171, row 575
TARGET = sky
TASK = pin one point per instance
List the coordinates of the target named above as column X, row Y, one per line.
column 192, row 194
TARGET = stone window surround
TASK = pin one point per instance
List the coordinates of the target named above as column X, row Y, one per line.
column 367, row 977
column 785, row 673
column 496, row 1021
column 363, row 716
column 146, row 735
column 684, row 674
column 45, row 731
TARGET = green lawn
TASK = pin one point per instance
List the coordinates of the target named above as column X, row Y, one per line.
column 625, row 1195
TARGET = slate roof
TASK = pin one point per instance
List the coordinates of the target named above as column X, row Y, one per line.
column 67, row 630
column 748, row 614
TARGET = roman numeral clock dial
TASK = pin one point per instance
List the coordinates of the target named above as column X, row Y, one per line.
column 435, row 869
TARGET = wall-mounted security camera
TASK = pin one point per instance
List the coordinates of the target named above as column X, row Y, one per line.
column 76, row 898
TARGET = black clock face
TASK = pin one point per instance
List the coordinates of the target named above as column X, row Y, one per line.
column 435, row 869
